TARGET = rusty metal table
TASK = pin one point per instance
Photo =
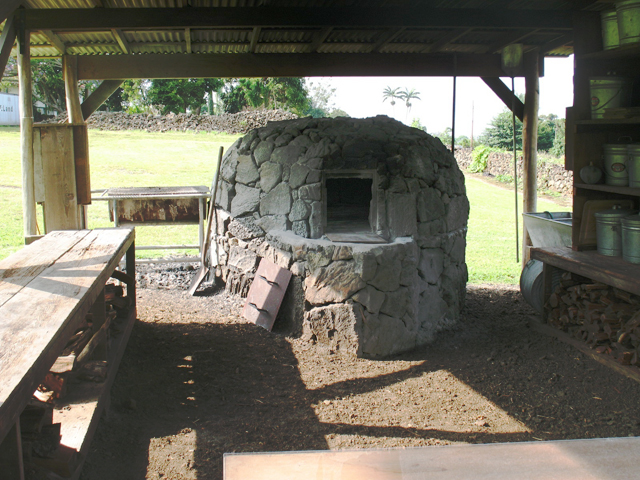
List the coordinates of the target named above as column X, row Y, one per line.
column 147, row 206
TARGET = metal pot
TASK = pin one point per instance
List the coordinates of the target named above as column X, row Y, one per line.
column 608, row 92
column 610, row 37
column 633, row 165
column 615, row 164
column 631, row 238
column 609, row 230
column 628, row 21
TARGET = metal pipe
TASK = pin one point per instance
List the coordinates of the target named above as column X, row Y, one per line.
column 453, row 118
column 515, row 164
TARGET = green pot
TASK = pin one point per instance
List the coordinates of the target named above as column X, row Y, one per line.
column 609, row 230
column 628, row 21
column 631, row 238
column 610, row 38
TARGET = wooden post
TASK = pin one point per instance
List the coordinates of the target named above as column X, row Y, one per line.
column 70, row 73
column 530, row 142
column 74, row 115
column 26, row 133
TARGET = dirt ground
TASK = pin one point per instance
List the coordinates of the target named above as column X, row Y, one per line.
column 197, row 381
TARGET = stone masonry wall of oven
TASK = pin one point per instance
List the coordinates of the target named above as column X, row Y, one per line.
column 363, row 299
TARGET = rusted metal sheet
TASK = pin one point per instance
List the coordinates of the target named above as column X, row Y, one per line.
column 141, row 211
column 266, row 294
column 155, row 205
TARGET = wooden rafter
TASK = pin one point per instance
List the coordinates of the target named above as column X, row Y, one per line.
column 556, row 43
column 319, row 39
column 386, row 17
column 447, row 39
column 7, row 7
column 55, row 41
column 113, row 67
column 187, row 39
column 99, row 96
column 385, row 38
column 508, row 39
column 255, row 35
column 122, row 41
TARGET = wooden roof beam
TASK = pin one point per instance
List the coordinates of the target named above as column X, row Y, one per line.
column 556, row 43
column 122, row 41
column 99, row 96
column 506, row 95
column 55, row 41
column 7, row 40
column 119, row 67
column 187, row 39
column 7, row 7
column 447, row 39
column 309, row 17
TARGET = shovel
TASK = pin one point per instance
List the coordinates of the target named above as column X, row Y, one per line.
column 203, row 271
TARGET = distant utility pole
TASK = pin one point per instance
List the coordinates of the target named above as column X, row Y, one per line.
column 472, row 125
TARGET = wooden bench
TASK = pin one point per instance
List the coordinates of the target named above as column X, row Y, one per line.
column 595, row 459
column 46, row 291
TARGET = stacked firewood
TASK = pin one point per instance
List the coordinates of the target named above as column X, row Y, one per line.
column 606, row 318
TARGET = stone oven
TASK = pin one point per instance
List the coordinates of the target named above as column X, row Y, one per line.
column 369, row 215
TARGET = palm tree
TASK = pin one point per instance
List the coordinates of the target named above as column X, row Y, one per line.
column 391, row 94
column 408, row 95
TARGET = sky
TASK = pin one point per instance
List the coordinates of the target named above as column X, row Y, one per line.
column 362, row 97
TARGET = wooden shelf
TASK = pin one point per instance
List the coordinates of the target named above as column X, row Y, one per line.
column 626, row 52
column 79, row 412
column 613, row 271
column 610, row 189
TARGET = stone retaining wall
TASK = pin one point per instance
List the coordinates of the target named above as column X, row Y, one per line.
column 550, row 175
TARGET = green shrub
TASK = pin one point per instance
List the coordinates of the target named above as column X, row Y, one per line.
column 479, row 158
column 504, row 178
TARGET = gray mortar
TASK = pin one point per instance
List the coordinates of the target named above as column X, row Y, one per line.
column 368, row 300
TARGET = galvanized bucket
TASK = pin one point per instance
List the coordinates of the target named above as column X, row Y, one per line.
column 628, row 21
column 610, row 38
column 615, row 164
column 631, row 238
column 633, row 165
column 608, row 92
column 609, row 230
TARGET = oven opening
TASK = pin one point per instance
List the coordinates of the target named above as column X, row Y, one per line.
column 348, row 205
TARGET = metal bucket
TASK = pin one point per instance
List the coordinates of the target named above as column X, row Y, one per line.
column 609, row 230
column 610, row 38
column 531, row 285
column 608, row 92
column 628, row 21
column 631, row 238
column 615, row 164
column 633, row 165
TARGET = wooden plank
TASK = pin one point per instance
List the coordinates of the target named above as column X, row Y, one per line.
column 60, row 206
column 17, row 270
column 594, row 459
column 265, row 16
column 612, row 271
column 81, row 161
column 628, row 371
column 11, row 464
column 55, row 301
column 38, row 175
column 122, row 67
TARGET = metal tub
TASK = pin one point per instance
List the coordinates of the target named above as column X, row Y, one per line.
column 549, row 229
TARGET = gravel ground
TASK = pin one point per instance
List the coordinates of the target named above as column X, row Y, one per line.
column 197, row 381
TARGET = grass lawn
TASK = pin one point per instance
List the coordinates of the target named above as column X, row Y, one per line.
column 132, row 158
column 491, row 238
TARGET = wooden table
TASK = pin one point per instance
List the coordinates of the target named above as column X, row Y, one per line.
column 596, row 459
column 46, row 291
